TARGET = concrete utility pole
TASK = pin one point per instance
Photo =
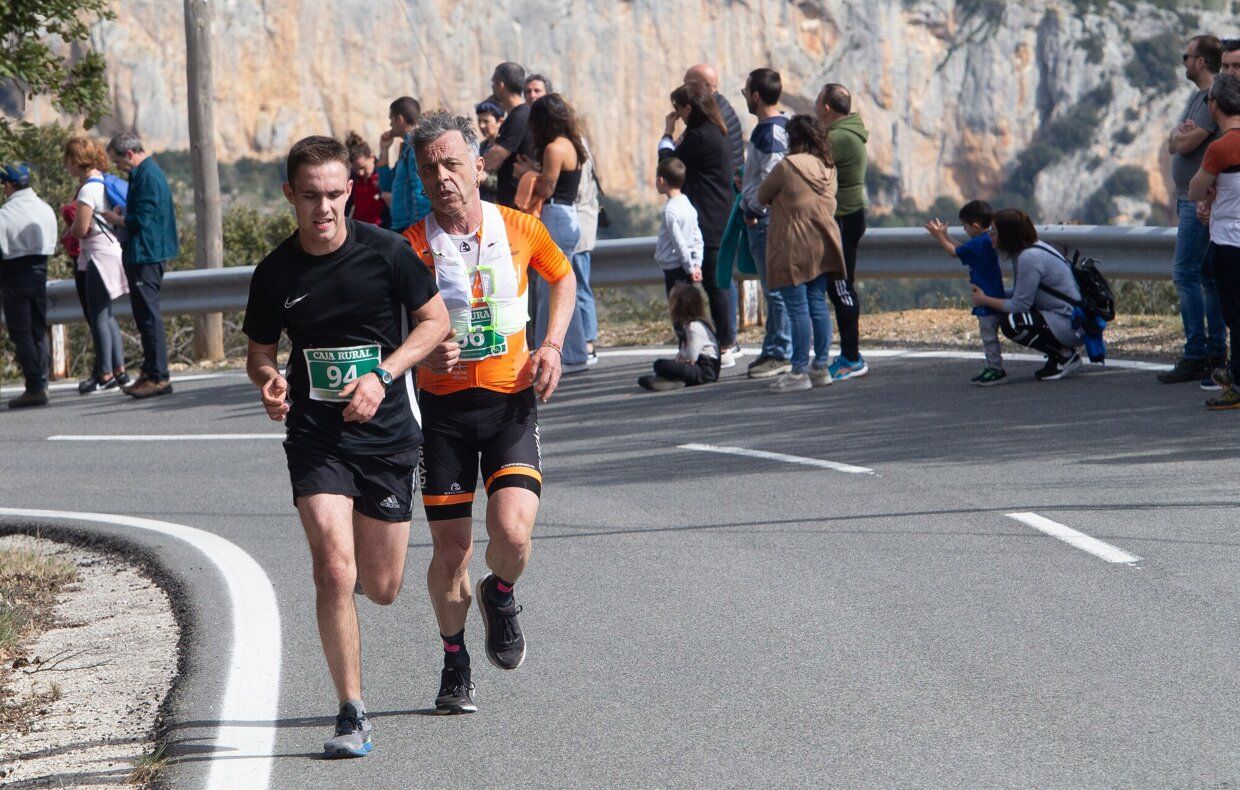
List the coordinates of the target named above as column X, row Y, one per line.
column 209, row 236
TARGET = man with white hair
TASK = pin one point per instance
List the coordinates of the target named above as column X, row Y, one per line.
column 479, row 392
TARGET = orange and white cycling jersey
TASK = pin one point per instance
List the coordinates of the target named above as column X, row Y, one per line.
column 530, row 245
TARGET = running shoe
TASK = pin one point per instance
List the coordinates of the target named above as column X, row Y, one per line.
column 1210, row 385
column 352, row 738
column 659, row 384
column 791, row 382
column 1230, row 399
column 990, row 377
column 122, row 380
column 1055, row 371
column 767, row 367
column 844, row 369
column 505, row 642
column 1222, row 377
column 727, row 359
column 455, row 692
column 92, row 384
column 820, row 377
column 592, row 358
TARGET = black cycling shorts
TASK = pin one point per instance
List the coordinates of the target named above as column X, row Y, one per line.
column 381, row 485
column 471, row 430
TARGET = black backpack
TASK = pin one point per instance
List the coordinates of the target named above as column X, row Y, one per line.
column 1096, row 300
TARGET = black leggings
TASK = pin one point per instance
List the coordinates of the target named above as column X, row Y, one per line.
column 843, row 293
column 1030, row 330
column 720, row 299
column 704, row 372
column 1226, row 265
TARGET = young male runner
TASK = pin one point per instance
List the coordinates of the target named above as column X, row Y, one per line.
column 478, row 394
column 346, row 294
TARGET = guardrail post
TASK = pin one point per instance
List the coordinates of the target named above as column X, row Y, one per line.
column 58, row 343
column 751, row 303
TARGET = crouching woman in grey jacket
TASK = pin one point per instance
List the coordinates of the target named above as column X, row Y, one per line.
column 1036, row 315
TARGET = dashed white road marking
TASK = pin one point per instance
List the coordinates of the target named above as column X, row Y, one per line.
column 162, row 437
column 244, row 740
column 791, row 459
column 1072, row 537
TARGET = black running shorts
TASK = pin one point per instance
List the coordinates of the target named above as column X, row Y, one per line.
column 381, row 485
column 471, row 430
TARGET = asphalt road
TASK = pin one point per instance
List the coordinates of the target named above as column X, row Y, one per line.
column 708, row 620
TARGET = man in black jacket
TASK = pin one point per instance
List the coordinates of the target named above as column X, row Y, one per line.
column 705, row 74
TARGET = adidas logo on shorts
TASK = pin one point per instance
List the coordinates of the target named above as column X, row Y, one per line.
column 390, row 503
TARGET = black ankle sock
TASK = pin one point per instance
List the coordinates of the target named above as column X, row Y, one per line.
column 454, row 652
column 501, row 592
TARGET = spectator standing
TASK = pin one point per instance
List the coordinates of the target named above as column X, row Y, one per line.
column 490, row 116
column 678, row 247
column 150, row 219
column 560, row 156
column 706, row 76
column 1218, row 181
column 27, row 239
column 1205, row 333
column 708, row 167
column 507, row 83
column 1034, row 316
column 697, row 358
column 400, row 183
column 366, row 202
column 768, row 144
column 100, row 261
column 978, row 253
column 848, row 137
column 804, row 247
column 1231, row 57
column 588, row 207
column 536, row 87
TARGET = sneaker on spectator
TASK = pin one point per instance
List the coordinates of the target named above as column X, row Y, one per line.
column 149, row 388
column 737, row 351
column 1210, row 385
column 92, row 384
column 1221, row 376
column 727, row 359
column 1054, row 370
column 842, row 368
column 765, row 367
column 133, row 385
column 591, row 358
column 990, row 377
column 791, row 382
column 820, row 377
column 1185, row 370
column 1229, row 399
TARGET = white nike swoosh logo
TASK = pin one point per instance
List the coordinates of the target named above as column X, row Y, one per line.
column 288, row 304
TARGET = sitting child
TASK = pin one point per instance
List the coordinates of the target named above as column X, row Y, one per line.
column 697, row 361
column 978, row 253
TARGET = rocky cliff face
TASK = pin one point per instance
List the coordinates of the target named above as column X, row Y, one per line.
column 964, row 98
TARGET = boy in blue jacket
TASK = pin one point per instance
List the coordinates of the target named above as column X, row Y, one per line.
column 978, row 253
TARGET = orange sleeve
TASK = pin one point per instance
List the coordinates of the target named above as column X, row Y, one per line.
column 416, row 236
column 545, row 257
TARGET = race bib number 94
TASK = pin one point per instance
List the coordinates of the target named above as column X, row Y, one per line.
column 331, row 369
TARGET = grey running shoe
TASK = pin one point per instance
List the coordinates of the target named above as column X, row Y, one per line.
column 765, row 367
column 352, row 738
column 455, row 692
column 505, row 642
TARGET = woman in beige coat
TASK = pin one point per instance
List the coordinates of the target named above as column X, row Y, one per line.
column 803, row 247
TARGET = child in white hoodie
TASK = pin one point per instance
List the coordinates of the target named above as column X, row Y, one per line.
column 697, row 361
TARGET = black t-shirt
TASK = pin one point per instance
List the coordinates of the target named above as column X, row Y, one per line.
column 513, row 137
column 359, row 296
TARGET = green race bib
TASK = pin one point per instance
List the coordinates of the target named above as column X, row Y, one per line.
column 481, row 341
column 331, row 369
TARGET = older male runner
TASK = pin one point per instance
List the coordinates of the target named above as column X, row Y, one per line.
column 478, row 394
column 346, row 294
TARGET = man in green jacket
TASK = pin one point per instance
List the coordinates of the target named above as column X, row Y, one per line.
column 150, row 220
column 848, row 136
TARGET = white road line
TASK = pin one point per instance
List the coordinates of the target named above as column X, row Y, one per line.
column 162, row 437
column 791, row 459
column 1072, row 537
column 66, row 386
column 251, row 692
column 887, row 353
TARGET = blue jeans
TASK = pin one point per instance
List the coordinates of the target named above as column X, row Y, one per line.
column 585, row 296
column 778, row 339
column 810, row 317
column 561, row 222
column 1205, row 333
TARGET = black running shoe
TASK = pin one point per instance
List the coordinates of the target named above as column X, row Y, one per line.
column 505, row 643
column 455, row 692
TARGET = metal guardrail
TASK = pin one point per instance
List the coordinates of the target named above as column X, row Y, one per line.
column 1137, row 253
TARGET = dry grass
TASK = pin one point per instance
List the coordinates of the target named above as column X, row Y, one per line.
column 148, row 768
column 29, row 583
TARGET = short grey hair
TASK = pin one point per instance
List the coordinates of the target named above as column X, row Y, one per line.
column 1226, row 94
column 441, row 122
column 126, row 142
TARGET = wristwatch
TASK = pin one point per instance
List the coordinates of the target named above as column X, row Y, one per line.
column 384, row 377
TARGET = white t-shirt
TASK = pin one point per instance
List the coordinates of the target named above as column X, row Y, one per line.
column 94, row 195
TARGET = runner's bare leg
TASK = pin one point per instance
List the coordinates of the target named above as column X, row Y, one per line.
column 380, row 548
column 510, row 524
column 328, row 522
column 447, row 578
